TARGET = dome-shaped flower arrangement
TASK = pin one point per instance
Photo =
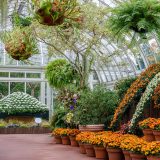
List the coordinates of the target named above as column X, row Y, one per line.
column 56, row 12
column 20, row 43
column 19, row 102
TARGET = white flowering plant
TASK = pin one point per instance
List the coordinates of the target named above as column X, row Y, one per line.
column 19, row 102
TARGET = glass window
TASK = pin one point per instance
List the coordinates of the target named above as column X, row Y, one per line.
column 33, row 75
column 17, row 87
column 17, row 75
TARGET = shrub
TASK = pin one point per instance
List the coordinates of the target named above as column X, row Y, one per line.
column 95, row 107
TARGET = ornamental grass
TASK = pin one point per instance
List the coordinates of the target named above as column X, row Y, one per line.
column 148, row 123
column 135, row 91
column 152, row 148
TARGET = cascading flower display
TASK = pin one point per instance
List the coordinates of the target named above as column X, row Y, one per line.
column 156, row 97
column 135, row 91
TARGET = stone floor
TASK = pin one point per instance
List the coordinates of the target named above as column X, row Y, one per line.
column 36, row 147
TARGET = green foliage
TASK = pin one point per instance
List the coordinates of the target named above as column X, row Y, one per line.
column 60, row 73
column 123, row 85
column 135, row 15
column 95, row 107
column 19, row 21
column 19, row 102
column 20, row 43
column 58, row 117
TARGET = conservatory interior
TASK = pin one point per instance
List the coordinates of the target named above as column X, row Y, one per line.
column 79, row 79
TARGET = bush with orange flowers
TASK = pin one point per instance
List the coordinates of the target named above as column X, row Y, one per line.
column 113, row 141
column 147, row 123
column 98, row 138
column 74, row 132
column 57, row 131
column 134, row 92
column 84, row 137
column 156, row 97
column 136, row 145
column 151, row 149
column 125, row 143
column 156, row 124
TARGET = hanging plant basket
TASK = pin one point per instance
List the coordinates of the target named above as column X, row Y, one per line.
column 54, row 13
column 20, row 44
column 135, row 15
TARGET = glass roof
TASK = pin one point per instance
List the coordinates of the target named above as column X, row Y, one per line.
column 122, row 63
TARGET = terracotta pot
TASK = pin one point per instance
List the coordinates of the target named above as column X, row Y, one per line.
column 91, row 128
column 136, row 156
column 153, row 158
column 100, row 152
column 73, row 141
column 58, row 139
column 89, row 150
column 157, row 135
column 65, row 140
column 127, row 155
column 148, row 133
column 115, row 154
column 82, row 148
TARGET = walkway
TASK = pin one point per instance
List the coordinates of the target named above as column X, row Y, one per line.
column 36, row 147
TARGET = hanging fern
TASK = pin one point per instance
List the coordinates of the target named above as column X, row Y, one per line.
column 60, row 73
column 139, row 16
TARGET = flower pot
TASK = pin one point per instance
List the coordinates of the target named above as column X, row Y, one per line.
column 115, row 154
column 73, row 141
column 91, row 128
column 65, row 140
column 148, row 133
column 58, row 139
column 136, row 156
column 127, row 155
column 157, row 135
column 89, row 150
column 100, row 152
column 153, row 158
column 82, row 148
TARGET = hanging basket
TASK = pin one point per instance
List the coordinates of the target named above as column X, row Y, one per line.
column 55, row 13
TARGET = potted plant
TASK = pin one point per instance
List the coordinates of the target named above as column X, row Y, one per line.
column 97, row 142
column 135, row 15
column 53, row 13
column 112, row 144
column 84, row 141
column 152, row 150
column 57, row 135
column 125, row 145
column 147, row 125
column 20, row 43
column 95, row 108
column 72, row 137
column 135, row 147
column 65, row 136
column 156, row 131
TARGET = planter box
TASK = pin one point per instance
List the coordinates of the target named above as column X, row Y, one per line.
column 34, row 130
column 91, row 128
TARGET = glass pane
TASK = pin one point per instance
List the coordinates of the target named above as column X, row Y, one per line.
column 17, row 87
column 4, row 74
column 33, row 75
column 15, row 74
column 33, row 88
column 3, row 89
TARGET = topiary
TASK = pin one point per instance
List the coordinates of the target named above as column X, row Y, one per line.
column 60, row 73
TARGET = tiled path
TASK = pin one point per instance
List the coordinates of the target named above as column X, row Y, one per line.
column 36, row 147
